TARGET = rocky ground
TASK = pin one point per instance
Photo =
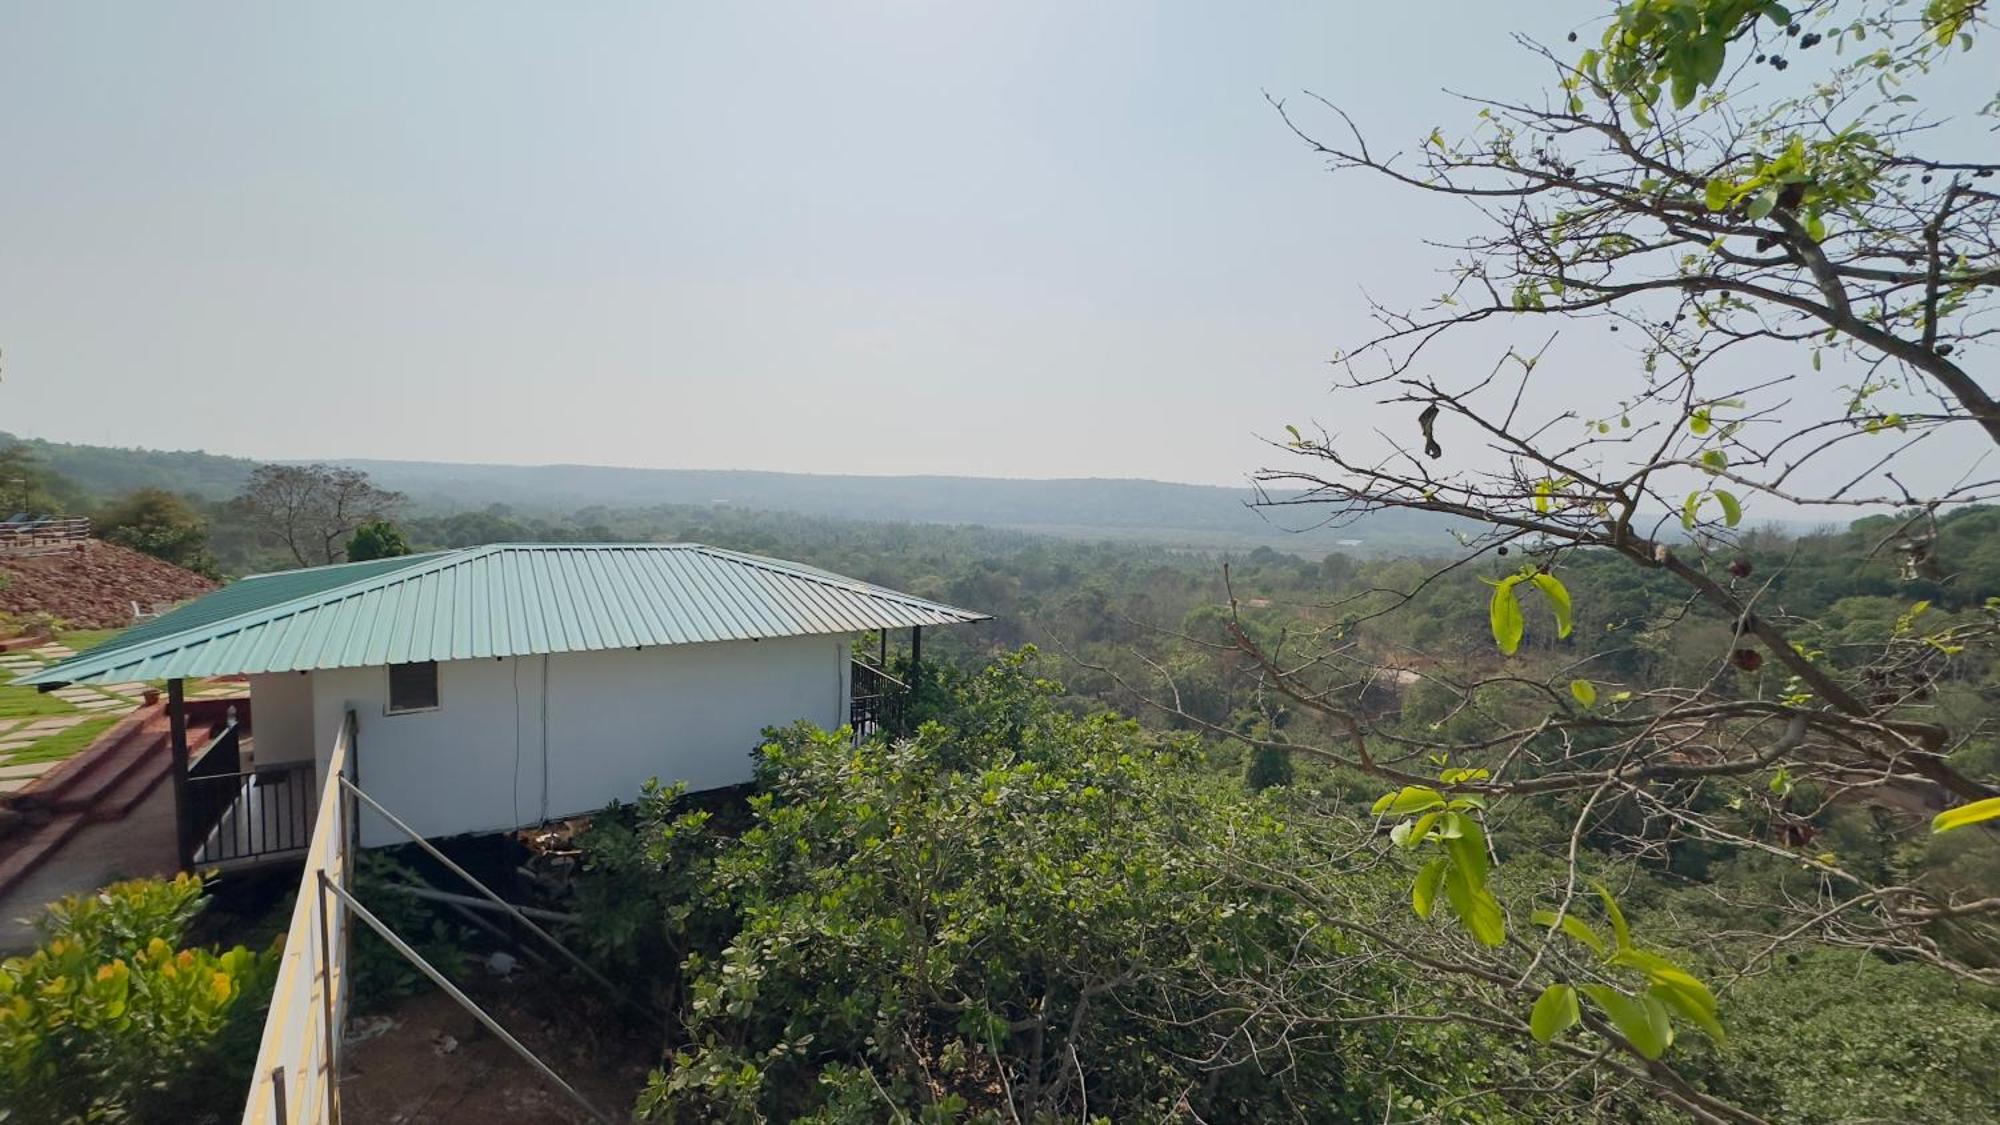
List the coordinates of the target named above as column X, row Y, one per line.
column 94, row 585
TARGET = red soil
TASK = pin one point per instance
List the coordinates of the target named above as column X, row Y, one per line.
column 94, row 585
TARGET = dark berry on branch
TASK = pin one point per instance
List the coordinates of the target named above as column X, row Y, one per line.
column 1572, row 36
column 1791, row 29
column 1748, row 659
column 1944, row 349
column 1779, row 64
column 1740, row 568
column 1762, row 58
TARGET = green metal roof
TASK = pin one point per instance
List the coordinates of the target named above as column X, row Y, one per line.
column 508, row 599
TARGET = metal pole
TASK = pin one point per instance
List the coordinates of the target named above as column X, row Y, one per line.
column 278, row 1094
column 512, row 910
column 177, row 725
column 464, row 1001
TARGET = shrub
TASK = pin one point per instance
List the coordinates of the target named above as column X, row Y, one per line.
column 112, row 1020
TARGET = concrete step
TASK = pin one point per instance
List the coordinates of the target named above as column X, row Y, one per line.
column 143, row 747
column 136, row 786
column 28, row 852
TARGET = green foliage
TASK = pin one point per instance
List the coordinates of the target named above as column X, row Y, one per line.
column 970, row 920
column 1504, row 607
column 1830, row 1036
column 381, row 974
column 160, row 524
column 112, row 1019
column 376, row 539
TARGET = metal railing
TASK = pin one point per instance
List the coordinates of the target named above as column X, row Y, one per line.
column 24, row 536
column 876, row 701
column 297, row 1078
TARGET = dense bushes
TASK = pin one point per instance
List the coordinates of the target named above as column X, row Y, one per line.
column 112, row 1019
column 1015, row 912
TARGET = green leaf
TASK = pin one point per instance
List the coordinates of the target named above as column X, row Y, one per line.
column 1619, row 929
column 1478, row 911
column 1408, row 799
column 1558, row 596
column 1762, row 204
column 1690, row 508
column 1689, row 1007
column 1715, row 460
column 1555, row 1012
column 1466, row 845
column 1732, row 510
column 1423, row 895
column 1584, row 692
column 1966, row 814
column 1504, row 613
column 1718, row 194
column 1698, row 422
column 1410, row 833
column 1641, row 1020
column 1574, row 926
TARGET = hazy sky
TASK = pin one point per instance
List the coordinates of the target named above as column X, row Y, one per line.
column 1010, row 239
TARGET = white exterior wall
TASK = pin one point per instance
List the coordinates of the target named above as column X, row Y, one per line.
column 598, row 727
column 281, row 718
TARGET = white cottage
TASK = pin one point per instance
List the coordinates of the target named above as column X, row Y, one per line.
column 500, row 686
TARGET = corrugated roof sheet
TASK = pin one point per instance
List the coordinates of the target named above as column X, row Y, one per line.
column 508, row 599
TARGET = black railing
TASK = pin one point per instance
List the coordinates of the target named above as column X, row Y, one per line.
column 244, row 814
column 877, row 701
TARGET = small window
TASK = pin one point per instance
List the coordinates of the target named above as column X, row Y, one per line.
column 413, row 687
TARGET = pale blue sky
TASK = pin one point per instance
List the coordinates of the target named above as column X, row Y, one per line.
column 1008, row 239
column 996, row 239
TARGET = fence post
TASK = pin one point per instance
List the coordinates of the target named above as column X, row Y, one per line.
column 332, row 1034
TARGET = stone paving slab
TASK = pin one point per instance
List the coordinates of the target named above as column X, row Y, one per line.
column 14, row 784
column 26, row 769
column 54, row 652
column 51, row 724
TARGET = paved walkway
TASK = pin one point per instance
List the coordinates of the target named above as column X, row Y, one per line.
column 20, row 765
column 143, row 843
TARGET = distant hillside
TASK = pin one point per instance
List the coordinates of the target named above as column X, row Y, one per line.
column 1193, row 515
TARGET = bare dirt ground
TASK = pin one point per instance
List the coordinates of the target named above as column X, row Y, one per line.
column 435, row 1063
column 94, row 586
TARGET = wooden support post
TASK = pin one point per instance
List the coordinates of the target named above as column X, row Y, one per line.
column 916, row 656
column 183, row 814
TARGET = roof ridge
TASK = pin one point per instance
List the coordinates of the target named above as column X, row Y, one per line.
column 350, row 562
column 823, row 577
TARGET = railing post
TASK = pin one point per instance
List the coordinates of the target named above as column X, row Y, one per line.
column 331, row 1033
column 183, row 814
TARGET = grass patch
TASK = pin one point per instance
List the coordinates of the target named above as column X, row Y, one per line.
column 63, row 743
column 82, row 640
column 18, row 701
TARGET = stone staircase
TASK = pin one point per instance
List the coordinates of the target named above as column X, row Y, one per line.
column 103, row 782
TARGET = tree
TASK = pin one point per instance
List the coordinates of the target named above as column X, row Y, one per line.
column 1808, row 270
column 27, row 485
column 376, row 539
column 162, row 525
column 311, row 510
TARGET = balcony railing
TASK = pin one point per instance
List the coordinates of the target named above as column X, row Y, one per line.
column 878, row 701
column 238, row 814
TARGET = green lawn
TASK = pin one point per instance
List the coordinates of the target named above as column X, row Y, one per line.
column 83, row 639
column 21, row 702
column 63, row 743
column 18, row 702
